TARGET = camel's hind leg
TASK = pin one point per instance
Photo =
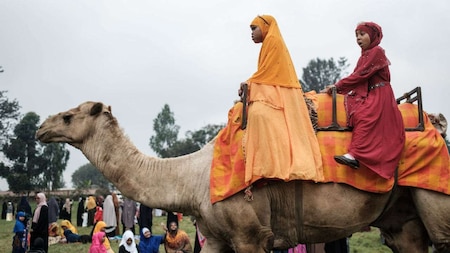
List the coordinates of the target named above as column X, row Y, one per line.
column 434, row 210
column 411, row 238
column 401, row 226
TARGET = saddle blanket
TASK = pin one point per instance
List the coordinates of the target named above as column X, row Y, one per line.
column 424, row 162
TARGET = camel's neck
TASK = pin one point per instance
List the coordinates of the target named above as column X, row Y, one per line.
column 171, row 184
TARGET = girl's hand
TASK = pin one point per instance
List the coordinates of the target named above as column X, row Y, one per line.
column 328, row 89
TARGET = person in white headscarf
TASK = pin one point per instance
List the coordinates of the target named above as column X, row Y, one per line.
column 39, row 225
column 109, row 216
column 127, row 244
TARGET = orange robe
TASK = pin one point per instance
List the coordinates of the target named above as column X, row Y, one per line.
column 279, row 142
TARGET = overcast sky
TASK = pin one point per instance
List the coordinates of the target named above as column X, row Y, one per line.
column 139, row 55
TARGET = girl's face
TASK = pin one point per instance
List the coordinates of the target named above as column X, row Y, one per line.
column 147, row 234
column 129, row 241
column 363, row 39
column 21, row 218
column 256, row 34
column 173, row 226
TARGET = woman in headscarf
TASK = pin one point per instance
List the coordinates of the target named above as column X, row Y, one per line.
column 148, row 242
column 127, row 244
column 67, row 224
column 378, row 133
column 24, row 206
column 66, row 210
column 145, row 217
column 101, row 227
column 280, row 141
column 90, row 206
column 55, row 233
column 97, row 245
column 39, row 225
column 53, row 210
column 109, row 216
column 4, row 208
column 70, row 232
column 80, row 211
column 116, row 202
column 128, row 214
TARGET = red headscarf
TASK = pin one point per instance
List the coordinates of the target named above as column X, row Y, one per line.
column 374, row 31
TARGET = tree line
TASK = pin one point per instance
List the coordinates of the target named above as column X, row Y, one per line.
column 28, row 165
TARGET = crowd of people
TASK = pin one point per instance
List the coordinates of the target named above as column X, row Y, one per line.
column 51, row 223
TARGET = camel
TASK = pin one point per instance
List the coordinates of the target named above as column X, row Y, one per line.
column 281, row 215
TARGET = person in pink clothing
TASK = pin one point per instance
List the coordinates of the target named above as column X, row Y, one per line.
column 97, row 243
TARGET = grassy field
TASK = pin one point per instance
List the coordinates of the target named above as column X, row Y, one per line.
column 364, row 242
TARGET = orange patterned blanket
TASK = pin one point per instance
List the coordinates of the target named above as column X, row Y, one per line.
column 424, row 162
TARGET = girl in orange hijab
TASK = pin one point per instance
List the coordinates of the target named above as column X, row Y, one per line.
column 101, row 227
column 280, row 142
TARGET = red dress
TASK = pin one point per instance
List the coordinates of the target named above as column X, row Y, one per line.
column 378, row 131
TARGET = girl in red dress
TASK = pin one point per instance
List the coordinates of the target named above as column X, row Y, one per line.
column 378, row 132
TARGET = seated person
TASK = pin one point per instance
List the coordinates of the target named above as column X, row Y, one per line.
column 71, row 233
column 55, row 233
column 127, row 244
column 148, row 242
column 176, row 240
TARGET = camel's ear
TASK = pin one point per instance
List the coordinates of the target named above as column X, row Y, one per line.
column 96, row 109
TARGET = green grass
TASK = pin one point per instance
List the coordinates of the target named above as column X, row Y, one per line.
column 6, row 234
column 363, row 242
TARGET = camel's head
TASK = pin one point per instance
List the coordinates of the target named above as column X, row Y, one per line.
column 439, row 122
column 74, row 125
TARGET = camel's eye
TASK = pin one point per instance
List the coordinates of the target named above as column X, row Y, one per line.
column 67, row 119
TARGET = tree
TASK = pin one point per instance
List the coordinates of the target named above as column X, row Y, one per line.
column 9, row 114
column 166, row 132
column 87, row 176
column 22, row 173
column 195, row 140
column 54, row 159
column 31, row 165
column 320, row 73
column 165, row 142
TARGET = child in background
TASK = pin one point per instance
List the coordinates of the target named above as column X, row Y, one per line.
column 150, row 243
column 97, row 243
column 128, row 245
column 20, row 234
column 101, row 227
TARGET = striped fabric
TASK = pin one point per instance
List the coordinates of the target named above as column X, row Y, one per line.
column 425, row 159
column 424, row 163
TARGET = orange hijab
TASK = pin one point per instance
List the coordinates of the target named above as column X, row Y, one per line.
column 68, row 224
column 275, row 66
column 98, row 228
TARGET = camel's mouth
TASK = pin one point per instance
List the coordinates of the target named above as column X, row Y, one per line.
column 42, row 136
column 51, row 136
